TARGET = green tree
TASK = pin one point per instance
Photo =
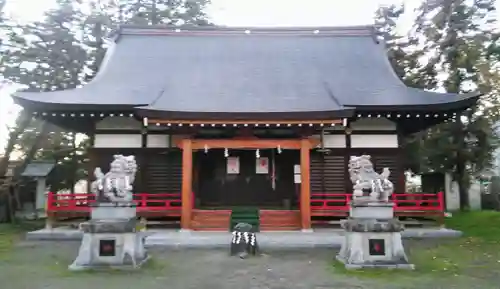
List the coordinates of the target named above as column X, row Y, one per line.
column 457, row 37
column 43, row 56
column 405, row 60
column 65, row 50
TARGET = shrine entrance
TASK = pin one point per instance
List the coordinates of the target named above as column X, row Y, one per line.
column 245, row 146
column 262, row 178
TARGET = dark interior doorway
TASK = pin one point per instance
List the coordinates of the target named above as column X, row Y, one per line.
column 274, row 188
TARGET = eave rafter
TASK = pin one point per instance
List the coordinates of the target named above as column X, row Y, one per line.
column 409, row 115
column 392, row 115
column 244, row 123
column 412, row 120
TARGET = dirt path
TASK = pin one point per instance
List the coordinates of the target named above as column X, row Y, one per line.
column 43, row 266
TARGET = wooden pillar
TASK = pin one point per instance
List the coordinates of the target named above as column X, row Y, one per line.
column 400, row 186
column 305, row 184
column 142, row 159
column 187, row 181
column 347, row 158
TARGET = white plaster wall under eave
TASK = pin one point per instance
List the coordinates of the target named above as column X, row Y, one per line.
column 373, row 124
column 118, row 123
column 332, row 140
column 374, row 141
column 118, row 141
column 158, row 141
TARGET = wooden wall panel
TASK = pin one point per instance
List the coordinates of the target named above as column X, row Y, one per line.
column 327, row 173
column 159, row 171
column 164, row 172
column 387, row 161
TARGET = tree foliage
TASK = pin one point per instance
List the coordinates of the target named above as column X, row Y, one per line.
column 64, row 51
column 453, row 47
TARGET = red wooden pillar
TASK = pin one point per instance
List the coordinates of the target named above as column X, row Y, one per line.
column 305, row 184
column 187, row 181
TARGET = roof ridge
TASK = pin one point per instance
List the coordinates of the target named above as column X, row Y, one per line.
column 159, row 30
column 243, row 28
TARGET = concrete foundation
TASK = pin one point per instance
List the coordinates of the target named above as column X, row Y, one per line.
column 323, row 238
column 373, row 238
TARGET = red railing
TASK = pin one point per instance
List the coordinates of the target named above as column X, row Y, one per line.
column 419, row 202
column 327, row 204
column 157, row 202
column 322, row 204
column 330, row 202
column 80, row 202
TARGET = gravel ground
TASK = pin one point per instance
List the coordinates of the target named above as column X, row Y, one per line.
column 37, row 265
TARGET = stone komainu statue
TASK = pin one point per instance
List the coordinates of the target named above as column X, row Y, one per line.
column 366, row 180
column 116, row 185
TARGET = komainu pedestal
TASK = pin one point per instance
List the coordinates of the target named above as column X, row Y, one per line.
column 110, row 238
column 111, row 242
column 373, row 238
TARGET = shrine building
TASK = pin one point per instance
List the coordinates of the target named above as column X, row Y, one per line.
column 230, row 123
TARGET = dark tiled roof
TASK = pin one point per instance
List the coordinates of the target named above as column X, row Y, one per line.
column 217, row 71
column 38, row 169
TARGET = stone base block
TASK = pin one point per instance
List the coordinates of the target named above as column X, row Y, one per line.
column 106, row 212
column 375, row 265
column 109, row 226
column 373, row 250
column 371, row 210
column 110, row 250
column 124, row 267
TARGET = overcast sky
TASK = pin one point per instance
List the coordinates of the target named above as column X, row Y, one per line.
column 235, row 13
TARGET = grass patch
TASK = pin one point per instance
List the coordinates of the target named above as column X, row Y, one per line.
column 483, row 225
column 475, row 255
column 11, row 233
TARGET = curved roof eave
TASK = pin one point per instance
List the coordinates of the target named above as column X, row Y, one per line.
column 29, row 100
column 461, row 102
column 86, row 96
column 285, row 115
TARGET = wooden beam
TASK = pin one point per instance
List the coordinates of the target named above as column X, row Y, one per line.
column 243, row 122
column 250, row 143
column 187, row 183
column 305, row 184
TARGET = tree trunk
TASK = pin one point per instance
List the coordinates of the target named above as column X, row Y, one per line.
column 154, row 18
column 10, row 205
column 6, row 184
column 25, row 120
